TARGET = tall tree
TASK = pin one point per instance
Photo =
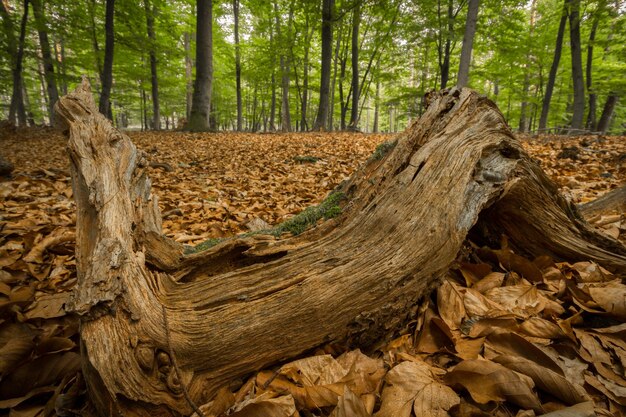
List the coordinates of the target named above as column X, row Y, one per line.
column 48, row 60
column 591, row 116
column 444, row 49
column 188, row 74
column 106, row 76
column 577, row 66
column 285, row 113
column 321, row 121
column 203, row 85
column 468, row 42
column 524, row 119
column 237, row 64
column 154, row 79
column 356, row 19
column 607, row 113
column 547, row 97
column 15, row 50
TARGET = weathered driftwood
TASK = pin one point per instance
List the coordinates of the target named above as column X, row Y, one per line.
column 254, row 301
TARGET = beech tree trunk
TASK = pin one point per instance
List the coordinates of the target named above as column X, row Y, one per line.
column 106, row 76
column 154, row 76
column 48, row 60
column 238, row 66
column 591, row 116
column 321, row 121
column 607, row 113
column 354, row 111
column 161, row 330
column 203, row 84
column 545, row 106
column 468, row 41
column 577, row 67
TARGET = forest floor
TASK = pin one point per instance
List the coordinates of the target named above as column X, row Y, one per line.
column 506, row 341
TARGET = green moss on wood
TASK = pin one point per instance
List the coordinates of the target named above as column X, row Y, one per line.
column 383, row 149
column 327, row 209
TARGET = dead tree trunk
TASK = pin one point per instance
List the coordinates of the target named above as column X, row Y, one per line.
column 160, row 330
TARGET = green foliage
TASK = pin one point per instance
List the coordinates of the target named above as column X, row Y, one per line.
column 401, row 46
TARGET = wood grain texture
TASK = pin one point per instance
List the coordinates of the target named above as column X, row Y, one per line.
column 250, row 302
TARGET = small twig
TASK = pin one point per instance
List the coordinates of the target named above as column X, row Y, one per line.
column 176, row 368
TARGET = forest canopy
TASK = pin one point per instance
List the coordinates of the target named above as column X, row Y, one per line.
column 269, row 54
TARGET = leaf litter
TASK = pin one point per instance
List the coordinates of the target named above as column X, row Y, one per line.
column 502, row 335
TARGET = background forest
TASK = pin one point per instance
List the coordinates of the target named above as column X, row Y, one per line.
column 267, row 56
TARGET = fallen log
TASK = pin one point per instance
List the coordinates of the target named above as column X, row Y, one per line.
column 162, row 330
column 614, row 200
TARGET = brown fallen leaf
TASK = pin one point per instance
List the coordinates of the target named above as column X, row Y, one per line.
column 611, row 296
column 43, row 371
column 511, row 344
column 541, row 328
column 490, row 281
column 522, row 299
column 224, row 399
column 16, row 343
column 546, row 379
column 615, row 392
column 48, row 306
column 350, row 405
column 450, row 303
column 488, row 381
column 411, row 387
column 579, row 410
column 266, row 406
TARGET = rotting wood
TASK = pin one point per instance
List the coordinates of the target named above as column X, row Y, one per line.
column 613, row 200
column 252, row 301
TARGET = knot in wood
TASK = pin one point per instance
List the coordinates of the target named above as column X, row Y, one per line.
column 173, row 382
column 145, row 357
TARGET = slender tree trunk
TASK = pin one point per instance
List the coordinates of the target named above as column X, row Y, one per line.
column 445, row 63
column 591, row 116
column 285, row 113
column 321, row 121
column 63, row 66
column 354, row 112
column 154, row 79
column 203, row 85
column 545, row 106
column 376, row 106
column 577, row 67
column 607, row 113
column 331, row 110
column 91, row 8
column 188, row 74
column 304, row 126
column 468, row 42
column 238, row 65
column 272, row 126
column 15, row 51
column 524, row 123
column 106, row 76
column 48, row 61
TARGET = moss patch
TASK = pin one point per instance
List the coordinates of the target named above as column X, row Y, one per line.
column 383, row 149
column 327, row 209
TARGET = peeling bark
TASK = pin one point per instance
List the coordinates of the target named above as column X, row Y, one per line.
column 250, row 302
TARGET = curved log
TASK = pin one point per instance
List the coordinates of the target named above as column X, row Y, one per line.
column 160, row 330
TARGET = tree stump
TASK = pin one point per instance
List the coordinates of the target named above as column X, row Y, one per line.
column 161, row 330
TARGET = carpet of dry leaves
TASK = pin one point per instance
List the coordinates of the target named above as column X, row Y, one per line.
column 502, row 336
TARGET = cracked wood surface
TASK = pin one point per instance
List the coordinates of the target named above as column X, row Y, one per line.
column 250, row 302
